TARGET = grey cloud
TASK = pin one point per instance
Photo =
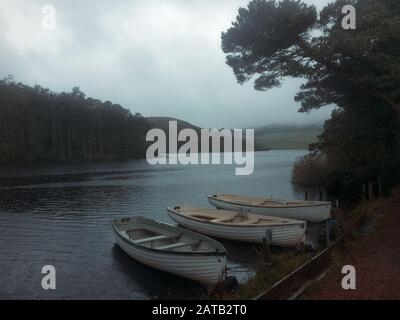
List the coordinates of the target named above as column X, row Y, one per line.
column 157, row 57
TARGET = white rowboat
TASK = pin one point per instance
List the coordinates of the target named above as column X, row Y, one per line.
column 172, row 249
column 312, row 211
column 240, row 226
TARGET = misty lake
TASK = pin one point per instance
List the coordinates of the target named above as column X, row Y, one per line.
column 61, row 215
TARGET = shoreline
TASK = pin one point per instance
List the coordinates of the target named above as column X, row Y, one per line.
column 370, row 242
column 374, row 250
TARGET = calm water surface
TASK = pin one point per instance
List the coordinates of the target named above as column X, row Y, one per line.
column 60, row 215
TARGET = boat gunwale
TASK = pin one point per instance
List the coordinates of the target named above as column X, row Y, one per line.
column 265, row 206
column 179, row 253
column 289, row 224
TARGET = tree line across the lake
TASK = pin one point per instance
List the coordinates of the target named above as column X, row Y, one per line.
column 37, row 124
column 358, row 71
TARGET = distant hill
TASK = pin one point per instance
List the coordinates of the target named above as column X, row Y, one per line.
column 163, row 123
column 287, row 137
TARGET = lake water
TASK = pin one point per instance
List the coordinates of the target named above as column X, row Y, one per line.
column 60, row 215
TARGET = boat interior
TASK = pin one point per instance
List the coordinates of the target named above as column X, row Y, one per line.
column 162, row 239
column 270, row 202
column 229, row 217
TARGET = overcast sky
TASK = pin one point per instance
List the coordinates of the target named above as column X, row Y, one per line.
column 156, row 57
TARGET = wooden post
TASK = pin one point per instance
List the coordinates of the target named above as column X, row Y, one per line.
column 363, row 193
column 267, row 245
column 380, row 187
column 370, row 191
column 328, row 236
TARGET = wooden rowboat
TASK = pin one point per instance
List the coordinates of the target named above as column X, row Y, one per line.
column 172, row 249
column 312, row 211
column 240, row 226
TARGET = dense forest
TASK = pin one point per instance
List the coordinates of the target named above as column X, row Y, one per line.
column 39, row 125
column 357, row 70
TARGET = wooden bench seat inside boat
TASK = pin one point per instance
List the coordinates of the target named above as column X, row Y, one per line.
column 175, row 245
column 249, row 221
column 150, row 239
column 220, row 219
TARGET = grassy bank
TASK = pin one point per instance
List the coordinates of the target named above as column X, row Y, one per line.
column 278, row 267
